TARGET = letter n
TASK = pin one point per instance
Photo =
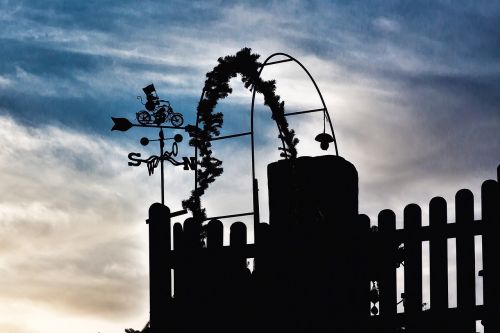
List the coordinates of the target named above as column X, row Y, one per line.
column 189, row 163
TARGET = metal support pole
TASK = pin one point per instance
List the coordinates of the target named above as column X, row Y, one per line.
column 162, row 144
column 256, row 211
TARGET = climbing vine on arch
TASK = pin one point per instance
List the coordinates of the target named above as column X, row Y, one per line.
column 217, row 87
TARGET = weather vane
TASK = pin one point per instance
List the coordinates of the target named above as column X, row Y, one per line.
column 157, row 113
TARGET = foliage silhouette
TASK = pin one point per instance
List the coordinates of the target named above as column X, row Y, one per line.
column 217, row 87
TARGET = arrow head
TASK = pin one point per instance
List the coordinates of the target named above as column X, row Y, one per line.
column 121, row 124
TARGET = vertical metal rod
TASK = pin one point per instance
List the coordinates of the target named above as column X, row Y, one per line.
column 161, row 166
column 256, row 211
column 255, row 196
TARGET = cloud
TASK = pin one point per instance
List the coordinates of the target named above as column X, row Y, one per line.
column 385, row 24
column 43, row 86
column 72, row 231
column 4, row 82
column 91, row 61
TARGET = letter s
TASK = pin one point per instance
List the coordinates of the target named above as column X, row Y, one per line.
column 132, row 157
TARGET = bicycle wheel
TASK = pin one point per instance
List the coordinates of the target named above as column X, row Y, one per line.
column 177, row 120
column 143, row 117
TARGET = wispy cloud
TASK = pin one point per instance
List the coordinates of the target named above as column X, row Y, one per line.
column 71, row 234
column 386, row 24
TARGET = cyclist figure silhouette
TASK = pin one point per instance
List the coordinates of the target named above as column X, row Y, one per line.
column 158, row 111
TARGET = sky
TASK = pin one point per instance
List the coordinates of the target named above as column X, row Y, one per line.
column 413, row 89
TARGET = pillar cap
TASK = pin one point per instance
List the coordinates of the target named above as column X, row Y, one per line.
column 157, row 211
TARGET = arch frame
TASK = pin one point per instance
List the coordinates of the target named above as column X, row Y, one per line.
column 255, row 189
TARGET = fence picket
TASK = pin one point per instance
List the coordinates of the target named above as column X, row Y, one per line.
column 215, row 234
column 238, row 235
column 191, row 234
column 362, row 228
column 237, row 280
column 179, row 281
column 178, row 236
column 490, row 204
column 438, row 252
column 388, row 292
column 159, row 265
column 413, row 266
column 214, row 275
column 466, row 286
column 237, row 240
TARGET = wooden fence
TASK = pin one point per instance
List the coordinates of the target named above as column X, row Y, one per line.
column 440, row 317
column 301, row 282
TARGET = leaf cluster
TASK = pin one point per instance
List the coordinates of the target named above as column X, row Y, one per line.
column 245, row 63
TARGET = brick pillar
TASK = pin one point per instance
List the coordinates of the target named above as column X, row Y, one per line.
column 321, row 189
column 313, row 206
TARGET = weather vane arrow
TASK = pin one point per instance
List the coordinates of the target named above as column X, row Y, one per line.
column 121, row 124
